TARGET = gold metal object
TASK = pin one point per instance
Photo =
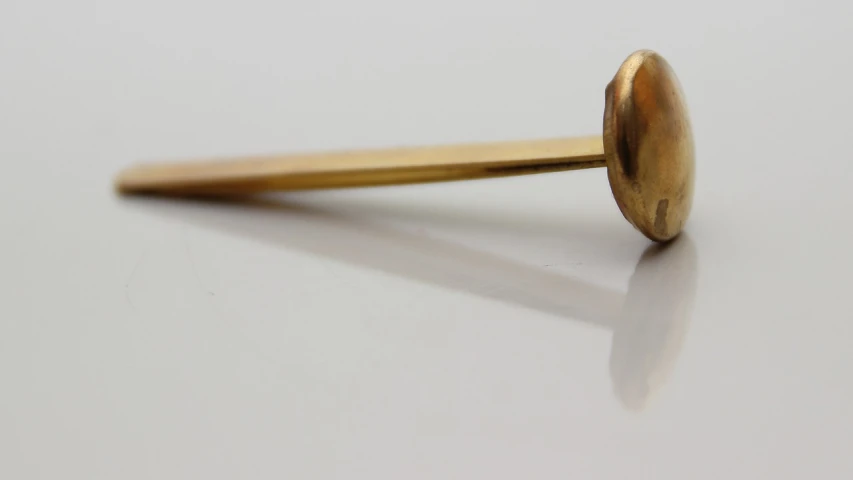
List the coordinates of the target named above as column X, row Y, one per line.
column 647, row 147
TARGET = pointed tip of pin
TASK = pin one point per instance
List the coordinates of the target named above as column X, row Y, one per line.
column 121, row 185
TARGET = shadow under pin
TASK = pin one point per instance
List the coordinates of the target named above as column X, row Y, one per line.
column 649, row 322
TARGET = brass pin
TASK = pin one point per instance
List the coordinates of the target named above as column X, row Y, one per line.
column 647, row 147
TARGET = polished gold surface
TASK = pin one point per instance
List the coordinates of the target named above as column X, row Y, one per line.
column 647, row 147
column 363, row 168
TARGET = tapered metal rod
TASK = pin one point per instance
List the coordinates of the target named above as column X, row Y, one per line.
column 363, row 168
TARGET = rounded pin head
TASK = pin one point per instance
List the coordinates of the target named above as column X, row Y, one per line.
column 648, row 145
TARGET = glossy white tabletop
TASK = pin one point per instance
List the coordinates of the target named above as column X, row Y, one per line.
column 510, row 328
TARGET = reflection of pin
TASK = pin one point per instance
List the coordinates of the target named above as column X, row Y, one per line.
column 648, row 336
column 648, row 322
column 647, row 146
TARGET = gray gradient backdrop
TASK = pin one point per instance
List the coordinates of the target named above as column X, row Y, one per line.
column 510, row 328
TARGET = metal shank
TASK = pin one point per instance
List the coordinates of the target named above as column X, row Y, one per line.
column 363, row 168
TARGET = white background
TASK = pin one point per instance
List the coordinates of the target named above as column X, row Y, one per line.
column 508, row 328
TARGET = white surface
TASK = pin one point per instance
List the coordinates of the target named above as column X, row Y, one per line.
column 439, row 331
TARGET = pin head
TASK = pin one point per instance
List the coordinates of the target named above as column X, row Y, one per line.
column 648, row 145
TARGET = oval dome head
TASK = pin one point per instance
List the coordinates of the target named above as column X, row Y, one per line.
column 648, row 145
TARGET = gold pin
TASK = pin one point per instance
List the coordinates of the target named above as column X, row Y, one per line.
column 647, row 147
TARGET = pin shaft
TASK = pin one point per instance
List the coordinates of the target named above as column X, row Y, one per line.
column 363, row 168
